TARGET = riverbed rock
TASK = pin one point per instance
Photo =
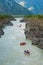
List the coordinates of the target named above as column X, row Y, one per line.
column 12, row 19
column 40, row 45
column 35, row 31
column 3, row 23
column 8, row 23
column 35, row 41
column 24, row 20
column 1, row 32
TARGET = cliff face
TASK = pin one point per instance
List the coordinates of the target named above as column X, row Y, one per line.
column 34, row 31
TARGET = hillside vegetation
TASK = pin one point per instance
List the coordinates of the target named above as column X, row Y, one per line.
column 34, row 16
column 3, row 16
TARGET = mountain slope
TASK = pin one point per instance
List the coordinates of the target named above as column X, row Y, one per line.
column 37, row 6
column 11, row 7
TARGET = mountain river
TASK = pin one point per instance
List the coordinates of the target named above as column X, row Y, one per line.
column 11, row 53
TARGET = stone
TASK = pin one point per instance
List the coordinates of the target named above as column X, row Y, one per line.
column 1, row 32
column 35, row 41
column 41, row 44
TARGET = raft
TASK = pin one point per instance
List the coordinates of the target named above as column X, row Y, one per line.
column 26, row 52
column 22, row 43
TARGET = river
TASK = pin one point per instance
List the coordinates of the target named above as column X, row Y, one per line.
column 11, row 53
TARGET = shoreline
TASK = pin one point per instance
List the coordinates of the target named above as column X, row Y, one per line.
column 34, row 31
column 3, row 23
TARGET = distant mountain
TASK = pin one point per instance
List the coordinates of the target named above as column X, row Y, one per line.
column 36, row 4
column 11, row 7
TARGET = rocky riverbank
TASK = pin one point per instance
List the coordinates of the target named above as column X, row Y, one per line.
column 34, row 30
column 3, row 23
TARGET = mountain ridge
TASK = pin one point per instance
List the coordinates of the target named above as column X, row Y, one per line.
column 11, row 7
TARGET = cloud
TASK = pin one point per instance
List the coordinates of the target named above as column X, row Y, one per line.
column 22, row 3
column 30, row 8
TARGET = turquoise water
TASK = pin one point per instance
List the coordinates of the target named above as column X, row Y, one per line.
column 11, row 53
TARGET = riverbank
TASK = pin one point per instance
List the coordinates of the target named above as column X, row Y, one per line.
column 5, row 21
column 34, row 30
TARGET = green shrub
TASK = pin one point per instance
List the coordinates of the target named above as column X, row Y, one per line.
column 3, row 16
column 33, row 16
column 40, row 16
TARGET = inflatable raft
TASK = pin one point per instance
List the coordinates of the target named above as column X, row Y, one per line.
column 22, row 43
column 26, row 52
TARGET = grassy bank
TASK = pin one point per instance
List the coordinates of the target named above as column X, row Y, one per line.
column 34, row 16
column 4, row 16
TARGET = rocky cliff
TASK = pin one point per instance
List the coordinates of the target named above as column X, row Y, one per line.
column 34, row 31
column 3, row 23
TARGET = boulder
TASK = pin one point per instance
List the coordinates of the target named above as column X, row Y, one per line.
column 1, row 32
column 7, row 23
column 24, row 20
column 39, row 34
column 41, row 44
column 35, row 41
